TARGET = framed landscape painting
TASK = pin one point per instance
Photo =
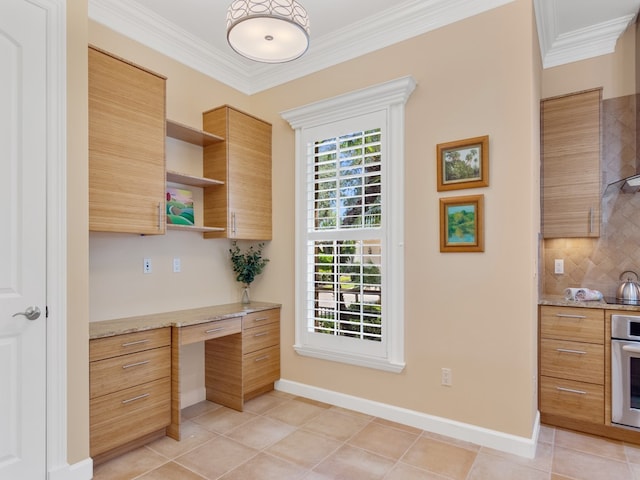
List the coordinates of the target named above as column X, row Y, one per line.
column 462, row 224
column 463, row 164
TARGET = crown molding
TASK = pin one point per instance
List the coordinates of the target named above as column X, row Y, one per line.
column 581, row 44
column 586, row 43
column 404, row 21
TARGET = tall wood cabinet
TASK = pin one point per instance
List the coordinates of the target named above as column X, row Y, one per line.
column 243, row 162
column 570, row 148
column 126, row 146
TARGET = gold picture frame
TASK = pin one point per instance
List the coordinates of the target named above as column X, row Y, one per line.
column 463, row 164
column 462, row 224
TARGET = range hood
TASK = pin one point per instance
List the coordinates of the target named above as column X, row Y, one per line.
column 626, row 185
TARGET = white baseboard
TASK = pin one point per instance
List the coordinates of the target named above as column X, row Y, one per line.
column 192, row 397
column 78, row 471
column 521, row 446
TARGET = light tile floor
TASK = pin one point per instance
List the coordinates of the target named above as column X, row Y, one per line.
column 281, row 437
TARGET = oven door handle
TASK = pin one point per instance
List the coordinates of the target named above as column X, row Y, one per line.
column 631, row 348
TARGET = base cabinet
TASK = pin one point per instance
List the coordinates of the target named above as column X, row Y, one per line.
column 572, row 366
column 241, row 367
column 130, row 390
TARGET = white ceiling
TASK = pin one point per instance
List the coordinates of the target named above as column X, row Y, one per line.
column 193, row 31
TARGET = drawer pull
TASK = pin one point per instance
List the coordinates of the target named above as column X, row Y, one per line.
column 135, row 343
column 571, row 390
column 262, row 358
column 139, row 397
column 261, row 319
column 565, row 315
column 566, row 350
column 214, row 330
column 137, row 364
column 262, row 334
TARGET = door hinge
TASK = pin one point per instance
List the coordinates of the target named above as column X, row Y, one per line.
column 46, row 311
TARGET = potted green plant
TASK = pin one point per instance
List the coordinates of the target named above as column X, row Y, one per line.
column 247, row 265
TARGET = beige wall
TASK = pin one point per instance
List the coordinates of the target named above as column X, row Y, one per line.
column 474, row 313
column 77, row 237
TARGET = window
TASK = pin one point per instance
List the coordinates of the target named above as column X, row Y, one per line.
column 349, row 226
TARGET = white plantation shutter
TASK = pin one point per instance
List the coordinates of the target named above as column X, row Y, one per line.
column 350, row 225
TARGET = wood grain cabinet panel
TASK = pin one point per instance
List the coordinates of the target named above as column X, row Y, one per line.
column 241, row 367
column 207, row 331
column 570, row 149
column 126, row 146
column 572, row 365
column 573, row 400
column 574, row 324
column 130, row 391
column 243, row 161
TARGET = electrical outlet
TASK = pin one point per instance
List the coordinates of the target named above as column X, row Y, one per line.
column 447, row 377
column 176, row 265
column 558, row 266
column 146, row 265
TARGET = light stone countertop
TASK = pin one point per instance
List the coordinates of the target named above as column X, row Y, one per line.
column 179, row 318
column 560, row 301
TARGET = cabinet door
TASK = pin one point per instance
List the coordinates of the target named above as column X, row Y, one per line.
column 243, row 204
column 126, row 147
column 571, row 165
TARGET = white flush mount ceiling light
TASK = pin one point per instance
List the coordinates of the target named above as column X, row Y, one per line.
column 270, row 31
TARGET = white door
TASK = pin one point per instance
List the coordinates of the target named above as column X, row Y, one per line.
column 23, row 162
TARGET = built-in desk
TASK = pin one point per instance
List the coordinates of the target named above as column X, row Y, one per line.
column 242, row 356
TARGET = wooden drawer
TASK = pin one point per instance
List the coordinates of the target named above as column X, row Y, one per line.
column 575, row 324
column 576, row 400
column 107, row 347
column 123, row 416
column 113, row 374
column 258, row 319
column 260, row 368
column 583, row 362
column 209, row 330
column 260, row 337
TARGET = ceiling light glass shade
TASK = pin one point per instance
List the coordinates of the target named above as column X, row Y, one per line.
column 270, row 31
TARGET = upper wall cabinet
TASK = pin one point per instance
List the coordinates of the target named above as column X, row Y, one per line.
column 243, row 162
column 571, row 165
column 126, row 146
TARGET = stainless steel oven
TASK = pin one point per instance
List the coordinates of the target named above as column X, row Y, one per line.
column 625, row 370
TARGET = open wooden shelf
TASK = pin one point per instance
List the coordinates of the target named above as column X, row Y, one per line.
column 191, row 135
column 194, row 228
column 173, row 176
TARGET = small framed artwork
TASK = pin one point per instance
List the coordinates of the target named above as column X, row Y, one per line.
column 463, row 164
column 462, row 224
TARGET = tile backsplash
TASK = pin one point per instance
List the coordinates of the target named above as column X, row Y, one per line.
column 598, row 262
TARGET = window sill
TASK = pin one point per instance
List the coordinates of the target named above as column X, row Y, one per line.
column 358, row 360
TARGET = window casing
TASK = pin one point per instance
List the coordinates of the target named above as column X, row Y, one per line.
column 350, row 225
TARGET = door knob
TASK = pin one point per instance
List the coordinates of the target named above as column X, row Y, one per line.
column 31, row 313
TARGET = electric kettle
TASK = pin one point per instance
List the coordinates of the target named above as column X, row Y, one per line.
column 628, row 289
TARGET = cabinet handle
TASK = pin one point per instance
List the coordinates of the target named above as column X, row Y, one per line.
column 261, row 334
column 214, row 330
column 233, row 224
column 262, row 358
column 566, row 350
column 261, row 319
column 571, row 390
column 565, row 315
column 129, row 344
column 139, row 397
column 159, row 216
column 137, row 364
